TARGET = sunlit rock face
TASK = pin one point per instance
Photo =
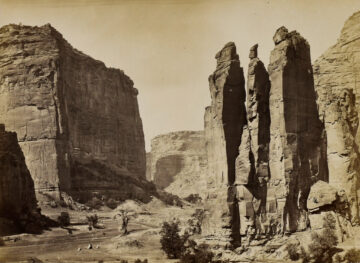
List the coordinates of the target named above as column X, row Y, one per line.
column 297, row 152
column 252, row 163
column 177, row 162
column 336, row 75
column 77, row 121
column 224, row 122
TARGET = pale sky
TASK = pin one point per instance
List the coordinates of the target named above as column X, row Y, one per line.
column 168, row 46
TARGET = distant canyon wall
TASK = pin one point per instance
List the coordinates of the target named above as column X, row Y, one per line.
column 177, row 162
column 77, row 121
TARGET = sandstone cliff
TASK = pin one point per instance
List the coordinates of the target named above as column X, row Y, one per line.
column 224, row 122
column 263, row 163
column 336, row 73
column 297, row 137
column 77, row 121
column 177, row 162
column 18, row 205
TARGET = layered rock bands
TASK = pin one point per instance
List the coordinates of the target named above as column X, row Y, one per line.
column 177, row 162
column 77, row 121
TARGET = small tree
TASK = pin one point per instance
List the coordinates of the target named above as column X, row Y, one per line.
column 171, row 242
column 92, row 221
column 292, row 250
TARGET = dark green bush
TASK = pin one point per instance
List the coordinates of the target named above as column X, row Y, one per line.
column 352, row 255
column 141, row 261
column 111, row 203
column 64, row 219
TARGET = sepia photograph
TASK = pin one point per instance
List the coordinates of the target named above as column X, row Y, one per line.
column 179, row 131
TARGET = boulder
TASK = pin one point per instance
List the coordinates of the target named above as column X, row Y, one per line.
column 321, row 194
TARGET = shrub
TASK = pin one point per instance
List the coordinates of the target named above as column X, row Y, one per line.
column 193, row 198
column 198, row 254
column 352, row 255
column 196, row 221
column 292, row 250
column 92, row 220
column 134, row 243
column 64, row 219
column 171, row 242
column 324, row 243
column 111, row 203
column 139, row 261
column 95, row 203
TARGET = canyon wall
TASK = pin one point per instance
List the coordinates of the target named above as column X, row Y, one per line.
column 262, row 163
column 77, row 121
column 224, row 122
column 297, row 137
column 336, row 73
column 177, row 162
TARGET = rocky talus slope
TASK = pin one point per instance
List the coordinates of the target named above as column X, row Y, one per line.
column 77, row 121
column 177, row 162
column 336, row 75
column 272, row 166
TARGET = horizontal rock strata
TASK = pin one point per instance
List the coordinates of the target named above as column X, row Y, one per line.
column 74, row 117
column 177, row 162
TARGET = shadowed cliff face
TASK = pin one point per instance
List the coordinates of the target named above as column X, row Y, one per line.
column 336, row 75
column 68, row 110
column 297, row 144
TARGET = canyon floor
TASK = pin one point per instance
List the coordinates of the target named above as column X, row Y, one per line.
column 108, row 245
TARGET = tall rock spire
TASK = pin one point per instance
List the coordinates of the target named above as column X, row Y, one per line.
column 224, row 121
column 297, row 155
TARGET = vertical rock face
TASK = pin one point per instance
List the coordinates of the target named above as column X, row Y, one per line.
column 178, row 161
column 17, row 194
column 77, row 121
column 252, row 164
column 336, row 75
column 224, row 121
column 297, row 143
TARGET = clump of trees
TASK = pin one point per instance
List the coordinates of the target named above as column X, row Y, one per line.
column 323, row 245
column 177, row 246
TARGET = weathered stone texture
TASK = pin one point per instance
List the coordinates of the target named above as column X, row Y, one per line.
column 252, row 163
column 178, row 161
column 336, row 75
column 297, row 143
column 68, row 110
column 224, row 121
column 17, row 194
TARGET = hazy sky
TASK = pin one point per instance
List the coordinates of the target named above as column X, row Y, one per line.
column 168, row 46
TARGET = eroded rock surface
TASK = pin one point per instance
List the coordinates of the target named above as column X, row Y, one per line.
column 297, row 153
column 77, row 121
column 336, row 75
column 224, row 121
column 177, row 162
column 252, row 164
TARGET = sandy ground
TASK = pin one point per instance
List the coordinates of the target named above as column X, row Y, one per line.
column 58, row 245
